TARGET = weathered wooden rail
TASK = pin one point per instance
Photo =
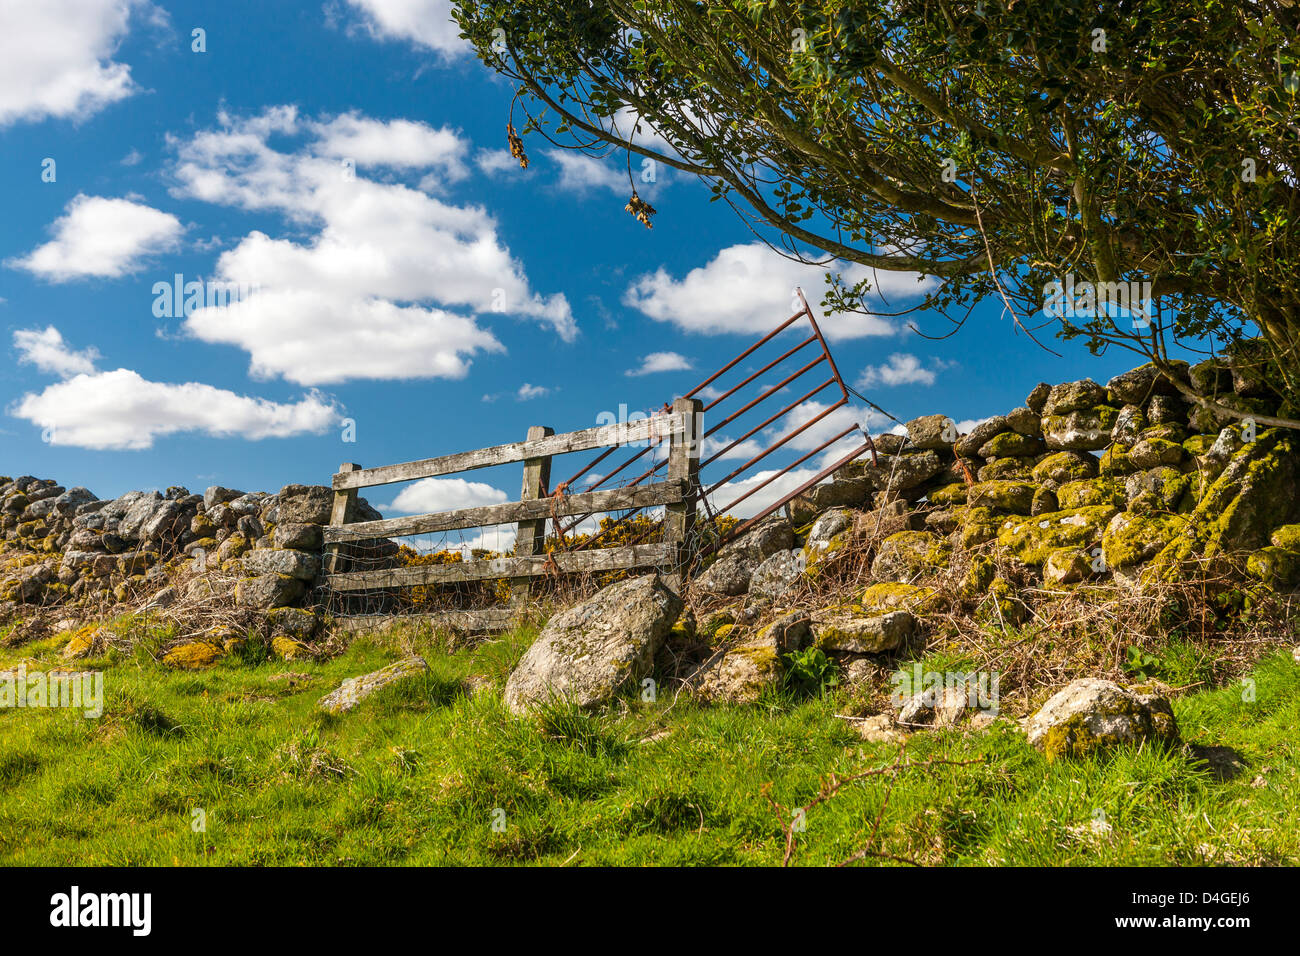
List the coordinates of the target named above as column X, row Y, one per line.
column 677, row 494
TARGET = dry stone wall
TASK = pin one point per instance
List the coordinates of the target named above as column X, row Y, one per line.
column 1082, row 480
column 60, row 546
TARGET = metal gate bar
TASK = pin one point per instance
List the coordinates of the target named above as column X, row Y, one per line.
column 707, row 494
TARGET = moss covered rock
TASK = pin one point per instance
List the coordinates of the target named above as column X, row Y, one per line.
column 295, row 623
column 1045, row 502
column 1066, row 466
column 743, row 674
column 829, row 535
column 1032, row 540
column 1067, row 566
column 83, row 642
column 1014, row 497
column 1128, row 425
column 1001, row 606
column 194, row 655
column 589, row 652
column 904, row 555
column 896, row 596
column 1274, row 566
column 1007, row 469
column 1115, row 462
column 356, row 689
column 1011, row 445
column 286, row 648
column 1140, row 384
column 1092, row 715
column 979, row 576
column 1080, row 430
column 1154, row 452
column 1163, row 488
column 1287, row 536
column 1089, row 492
column 1073, row 396
column 953, row 494
column 1132, row 538
column 978, row 526
column 1256, row 493
column 932, row 431
column 848, row 629
column 968, row 445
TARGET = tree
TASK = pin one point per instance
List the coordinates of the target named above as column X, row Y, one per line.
column 998, row 145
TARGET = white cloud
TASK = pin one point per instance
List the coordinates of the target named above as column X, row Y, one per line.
column 746, row 449
column 527, row 392
column 835, row 422
column 395, row 144
column 122, row 410
column 968, row 425
column 709, row 392
column 494, row 161
column 49, row 353
column 367, row 294
column 430, row 495
column 56, row 57
column 102, row 238
column 499, row 538
column 759, row 500
column 901, row 369
column 581, row 173
column 661, row 362
column 425, row 23
column 750, row 289
column 315, row 338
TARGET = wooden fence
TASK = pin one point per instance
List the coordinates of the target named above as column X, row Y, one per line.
column 678, row 494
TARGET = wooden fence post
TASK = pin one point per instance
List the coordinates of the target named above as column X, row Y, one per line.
column 530, row 539
column 345, row 503
column 683, row 462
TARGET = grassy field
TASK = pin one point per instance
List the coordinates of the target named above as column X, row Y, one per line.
column 432, row 772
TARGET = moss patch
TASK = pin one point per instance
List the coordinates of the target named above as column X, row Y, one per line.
column 194, row 655
column 1091, row 492
column 1033, row 539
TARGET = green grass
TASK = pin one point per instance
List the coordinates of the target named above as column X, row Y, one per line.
column 419, row 774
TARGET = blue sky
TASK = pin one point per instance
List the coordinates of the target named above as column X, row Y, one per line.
column 346, row 161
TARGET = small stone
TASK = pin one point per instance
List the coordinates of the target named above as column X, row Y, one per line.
column 356, row 689
column 268, row 591
column 299, row 536
column 879, row 730
column 970, row 444
column 193, row 655
column 1038, row 397
column 1091, row 714
column 295, row 564
column 848, row 630
column 1073, row 397
column 939, row 707
column 932, row 431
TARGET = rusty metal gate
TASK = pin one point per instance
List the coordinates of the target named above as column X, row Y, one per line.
column 734, row 403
